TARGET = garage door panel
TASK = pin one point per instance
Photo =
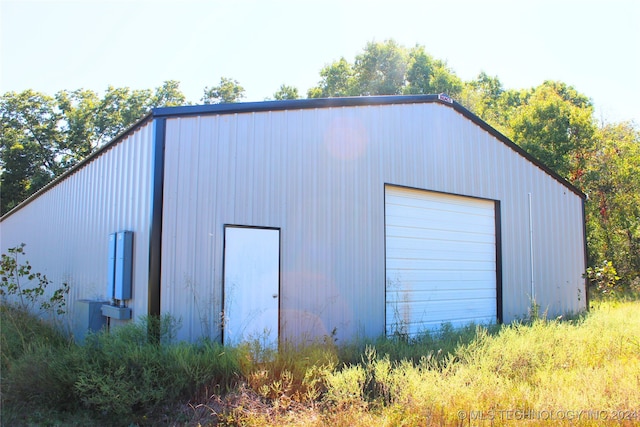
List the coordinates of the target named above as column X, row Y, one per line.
column 436, row 264
column 475, row 217
column 448, row 255
column 442, row 292
column 440, row 259
column 447, row 310
column 442, row 235
column 446, row 222
column 443, row 245
column 434, row 202
column 408, row 276
column 419, row 320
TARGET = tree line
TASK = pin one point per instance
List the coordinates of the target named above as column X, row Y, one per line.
column 41, row 136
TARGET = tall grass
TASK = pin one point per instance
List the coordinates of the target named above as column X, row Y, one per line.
column 583, row 371
column 113, row 379
column 538, row 372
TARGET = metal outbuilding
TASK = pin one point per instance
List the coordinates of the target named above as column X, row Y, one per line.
column 351, row 217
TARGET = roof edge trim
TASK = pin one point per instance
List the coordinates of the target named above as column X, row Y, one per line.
column 293, row 104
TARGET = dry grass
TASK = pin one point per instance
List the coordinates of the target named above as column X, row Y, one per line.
column 549, row 372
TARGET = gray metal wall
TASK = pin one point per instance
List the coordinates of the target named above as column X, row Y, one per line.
column 66, row 228
column 319, row 175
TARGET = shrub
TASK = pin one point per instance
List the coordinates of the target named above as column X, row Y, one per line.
column 345, row 388
column 15, row 277
column 39, row 366
column 604, row 278
column 125, row 372
column 44, row 375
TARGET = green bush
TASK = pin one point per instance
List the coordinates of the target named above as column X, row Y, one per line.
column 38, row 367
column 25, row 287
column 121, row 375
column 604, row 278
column 21, row 330
column 125, row 372
column 44, row 374
column 346, row 388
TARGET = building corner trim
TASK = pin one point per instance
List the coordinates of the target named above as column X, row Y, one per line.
column 155, row 234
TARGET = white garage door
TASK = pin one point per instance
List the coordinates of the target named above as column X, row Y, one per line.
column 440, row 260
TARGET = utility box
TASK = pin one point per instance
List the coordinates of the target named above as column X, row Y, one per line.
column 111, row 270
column 124, row 265
column 119, row 276
column 88, row 318
column 120, row 266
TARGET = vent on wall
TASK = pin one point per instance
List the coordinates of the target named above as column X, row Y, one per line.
column 119, row 276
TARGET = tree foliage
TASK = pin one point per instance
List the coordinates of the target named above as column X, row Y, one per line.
column 30, row 141
column 386, row 68
column 612, row 183
column 286, row 92
column 555, row 124
column 381, row 69
column 229, row 90
column 336, row 79
column 427, row 75
column 42, row 136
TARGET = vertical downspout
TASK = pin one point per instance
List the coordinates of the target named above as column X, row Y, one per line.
column 533, row 289
column 155, row 240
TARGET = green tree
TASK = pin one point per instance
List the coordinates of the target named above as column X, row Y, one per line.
column 43, row 136
column 555, row 124
column 168, row 95
column 228, row 90
column 387, row 68
column 612, row 183
column 336, row 79
column 482, row 95
column 426, row 75
column 286, row 92
column 30, row 137
column 486, row 97
column 381, row 69
column 78, row 109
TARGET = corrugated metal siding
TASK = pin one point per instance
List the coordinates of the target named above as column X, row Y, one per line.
column 319, row 175
column 66, row 228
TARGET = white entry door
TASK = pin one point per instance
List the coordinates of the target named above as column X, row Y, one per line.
column 251, row 285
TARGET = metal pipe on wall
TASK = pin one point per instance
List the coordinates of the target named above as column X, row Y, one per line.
column 533, row 292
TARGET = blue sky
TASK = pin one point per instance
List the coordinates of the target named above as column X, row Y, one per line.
column 54, row 45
